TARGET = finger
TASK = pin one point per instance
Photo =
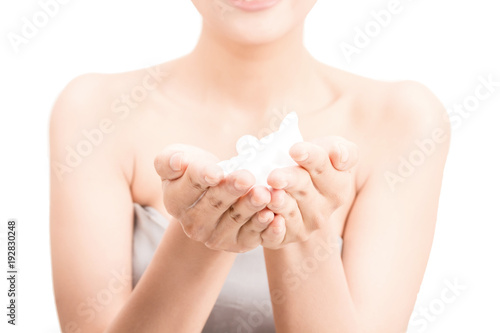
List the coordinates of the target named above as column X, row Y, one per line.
column 294, row 180
column 171, row 163
column 200, row 173
column 306, row 204
column 316, row 161
column 257, row 224
column 187, row 190
column 249, row 235
column 343, row 153
column 241, row 212
column 297, row 227
column 212, row 205
column 273, row 237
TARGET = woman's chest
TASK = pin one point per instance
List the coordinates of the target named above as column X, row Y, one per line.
column 217, row 135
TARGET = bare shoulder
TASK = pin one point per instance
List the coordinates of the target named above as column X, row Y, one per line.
column 403, row 108
column 416, row 107
column 93, row 114
column 95, row 95
column 395, row 112
column 419, row 132
column 392, row 119
column 412, row 113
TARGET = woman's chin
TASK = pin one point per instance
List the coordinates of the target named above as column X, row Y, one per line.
column 255, row 32
column 253, row 38
column 254, row 27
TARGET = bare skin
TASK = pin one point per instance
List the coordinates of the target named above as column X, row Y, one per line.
column 208, row 99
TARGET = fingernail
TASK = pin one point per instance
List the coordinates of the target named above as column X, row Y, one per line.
column 344, row 153
column 211, row 181
column 176, row 161
column 282, row 184
column 240, row 186
column 264, row 217
column 254, row 202
column 214, row 174
column 302, row 157
column 261, row 217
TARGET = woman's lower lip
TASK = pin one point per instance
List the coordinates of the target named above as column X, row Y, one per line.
column 254, row 5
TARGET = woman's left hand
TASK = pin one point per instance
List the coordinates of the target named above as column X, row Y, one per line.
column 304, row 197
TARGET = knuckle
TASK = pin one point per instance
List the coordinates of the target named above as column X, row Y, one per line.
column 255, row 228
column 194, row 182
column 197, row 186
column 215, row 203
column 302, row 194
column 321, row 163
column 235, row 216
column 301, row 184
column 319, row 170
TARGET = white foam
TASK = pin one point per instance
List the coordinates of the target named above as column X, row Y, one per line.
column 260, row 157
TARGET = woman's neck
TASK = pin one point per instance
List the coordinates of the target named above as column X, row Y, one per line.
column 253, row 78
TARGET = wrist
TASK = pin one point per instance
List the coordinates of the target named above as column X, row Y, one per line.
column 318, row 246
column 198, row 250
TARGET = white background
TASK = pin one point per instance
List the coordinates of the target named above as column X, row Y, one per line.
column 444, row 44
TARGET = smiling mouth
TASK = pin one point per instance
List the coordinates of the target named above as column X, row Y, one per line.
column 253, row 5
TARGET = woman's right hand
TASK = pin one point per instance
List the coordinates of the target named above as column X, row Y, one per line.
column 224, row 213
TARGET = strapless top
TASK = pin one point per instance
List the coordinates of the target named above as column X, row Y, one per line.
column 244, row 303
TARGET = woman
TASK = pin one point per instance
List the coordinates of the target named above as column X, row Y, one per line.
column 171, row 124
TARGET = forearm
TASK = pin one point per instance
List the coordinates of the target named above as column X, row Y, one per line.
column 179, row 288
column 309, row 289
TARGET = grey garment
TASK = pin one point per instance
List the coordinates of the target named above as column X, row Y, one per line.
column 244, row 303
